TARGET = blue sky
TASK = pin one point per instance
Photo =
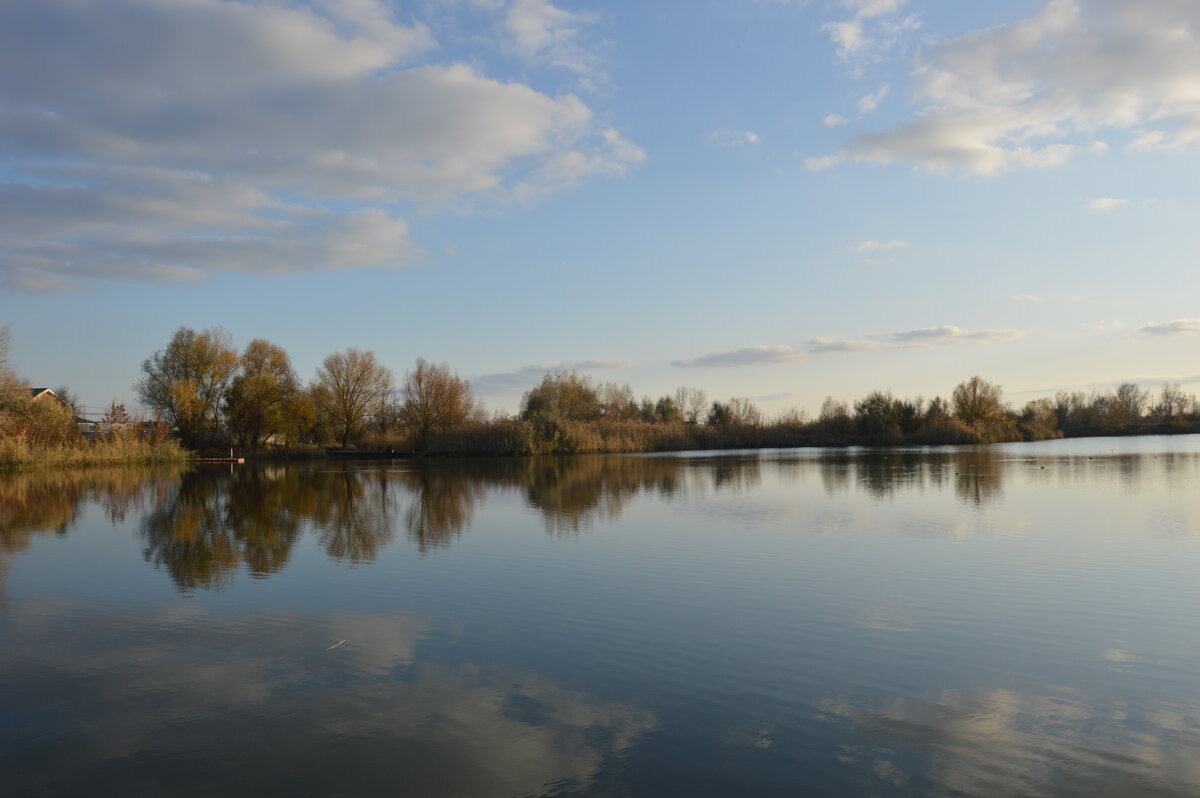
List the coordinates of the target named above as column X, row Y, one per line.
column 766, row 199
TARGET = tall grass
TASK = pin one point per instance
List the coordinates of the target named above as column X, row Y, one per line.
column 19, row 452
column 522, row 438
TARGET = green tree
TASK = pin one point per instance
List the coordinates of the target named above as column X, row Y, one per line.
column 260, row 400
column 349, row 385
column 187, row 382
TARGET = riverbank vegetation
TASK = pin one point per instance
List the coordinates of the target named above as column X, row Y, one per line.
column 43, row 429
column 206, row 396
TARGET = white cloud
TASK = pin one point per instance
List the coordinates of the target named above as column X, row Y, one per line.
column 878, row 246
column 870, row 102
column 874, row 28
column 1025, row 298
column 287, row 150
column 1105, row 203
column 942, row 335
column 820, row 164
column 1034, row 93
column 772, row 397
column 1176, row 327
column 749, row 356
column 528, row 376
column 542, row 32
column 735, row 138
column 833, row 120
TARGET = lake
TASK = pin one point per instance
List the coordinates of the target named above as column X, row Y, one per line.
column 1020, row 619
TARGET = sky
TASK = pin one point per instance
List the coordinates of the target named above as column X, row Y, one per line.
column 765, row 199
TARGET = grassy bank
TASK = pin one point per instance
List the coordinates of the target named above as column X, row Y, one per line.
column 18, row 452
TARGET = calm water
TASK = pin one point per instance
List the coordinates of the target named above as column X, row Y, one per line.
column 1009, row 620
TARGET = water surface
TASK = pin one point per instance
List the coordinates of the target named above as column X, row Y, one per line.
column 1009, row 620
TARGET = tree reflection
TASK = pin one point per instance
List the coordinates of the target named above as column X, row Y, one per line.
column 49, row 501
column 353, row 512
column 574, row 493
column 976, row 474
column 442, row 504
column 217, row 522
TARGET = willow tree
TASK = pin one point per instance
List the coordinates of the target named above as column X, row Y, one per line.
column 186, row 382
column 349, row 385
column 260, row 400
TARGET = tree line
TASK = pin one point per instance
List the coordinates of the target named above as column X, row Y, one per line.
column 211, row 395
column 210, row 392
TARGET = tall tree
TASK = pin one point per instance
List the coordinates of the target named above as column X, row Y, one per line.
column 563, row 395
column 349, row 385
column 434, row 399
column 693, row 402
column 978, row 401
column 259, row 402
column 187, row 381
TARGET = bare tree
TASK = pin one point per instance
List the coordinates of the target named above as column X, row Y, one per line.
column 617, row 402
column 693, row 402
column 1172, row 402
column 434, row 399
column 1126, row 406
column 349, row 385
column 69, row 398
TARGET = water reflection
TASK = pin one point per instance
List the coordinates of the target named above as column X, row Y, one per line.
column 1007, row 742
column 282, row 713
column 442, row 504
column 204, row 526
column 976, row 474
column 49, row 501
column 216, row 521
column 762, row 623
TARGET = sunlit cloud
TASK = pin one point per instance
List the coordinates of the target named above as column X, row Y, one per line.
column 821, row 163
column 735, row 138
column 878, row 246
column 874, row 28
column 942, row 335
column 528, row 376
column 1035, row 93
column 870, row 102
column 1025, row 298
column 1106, row 203
column 1176, row 327
column 748, row 356
column 183, row 162
column 542, row 32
